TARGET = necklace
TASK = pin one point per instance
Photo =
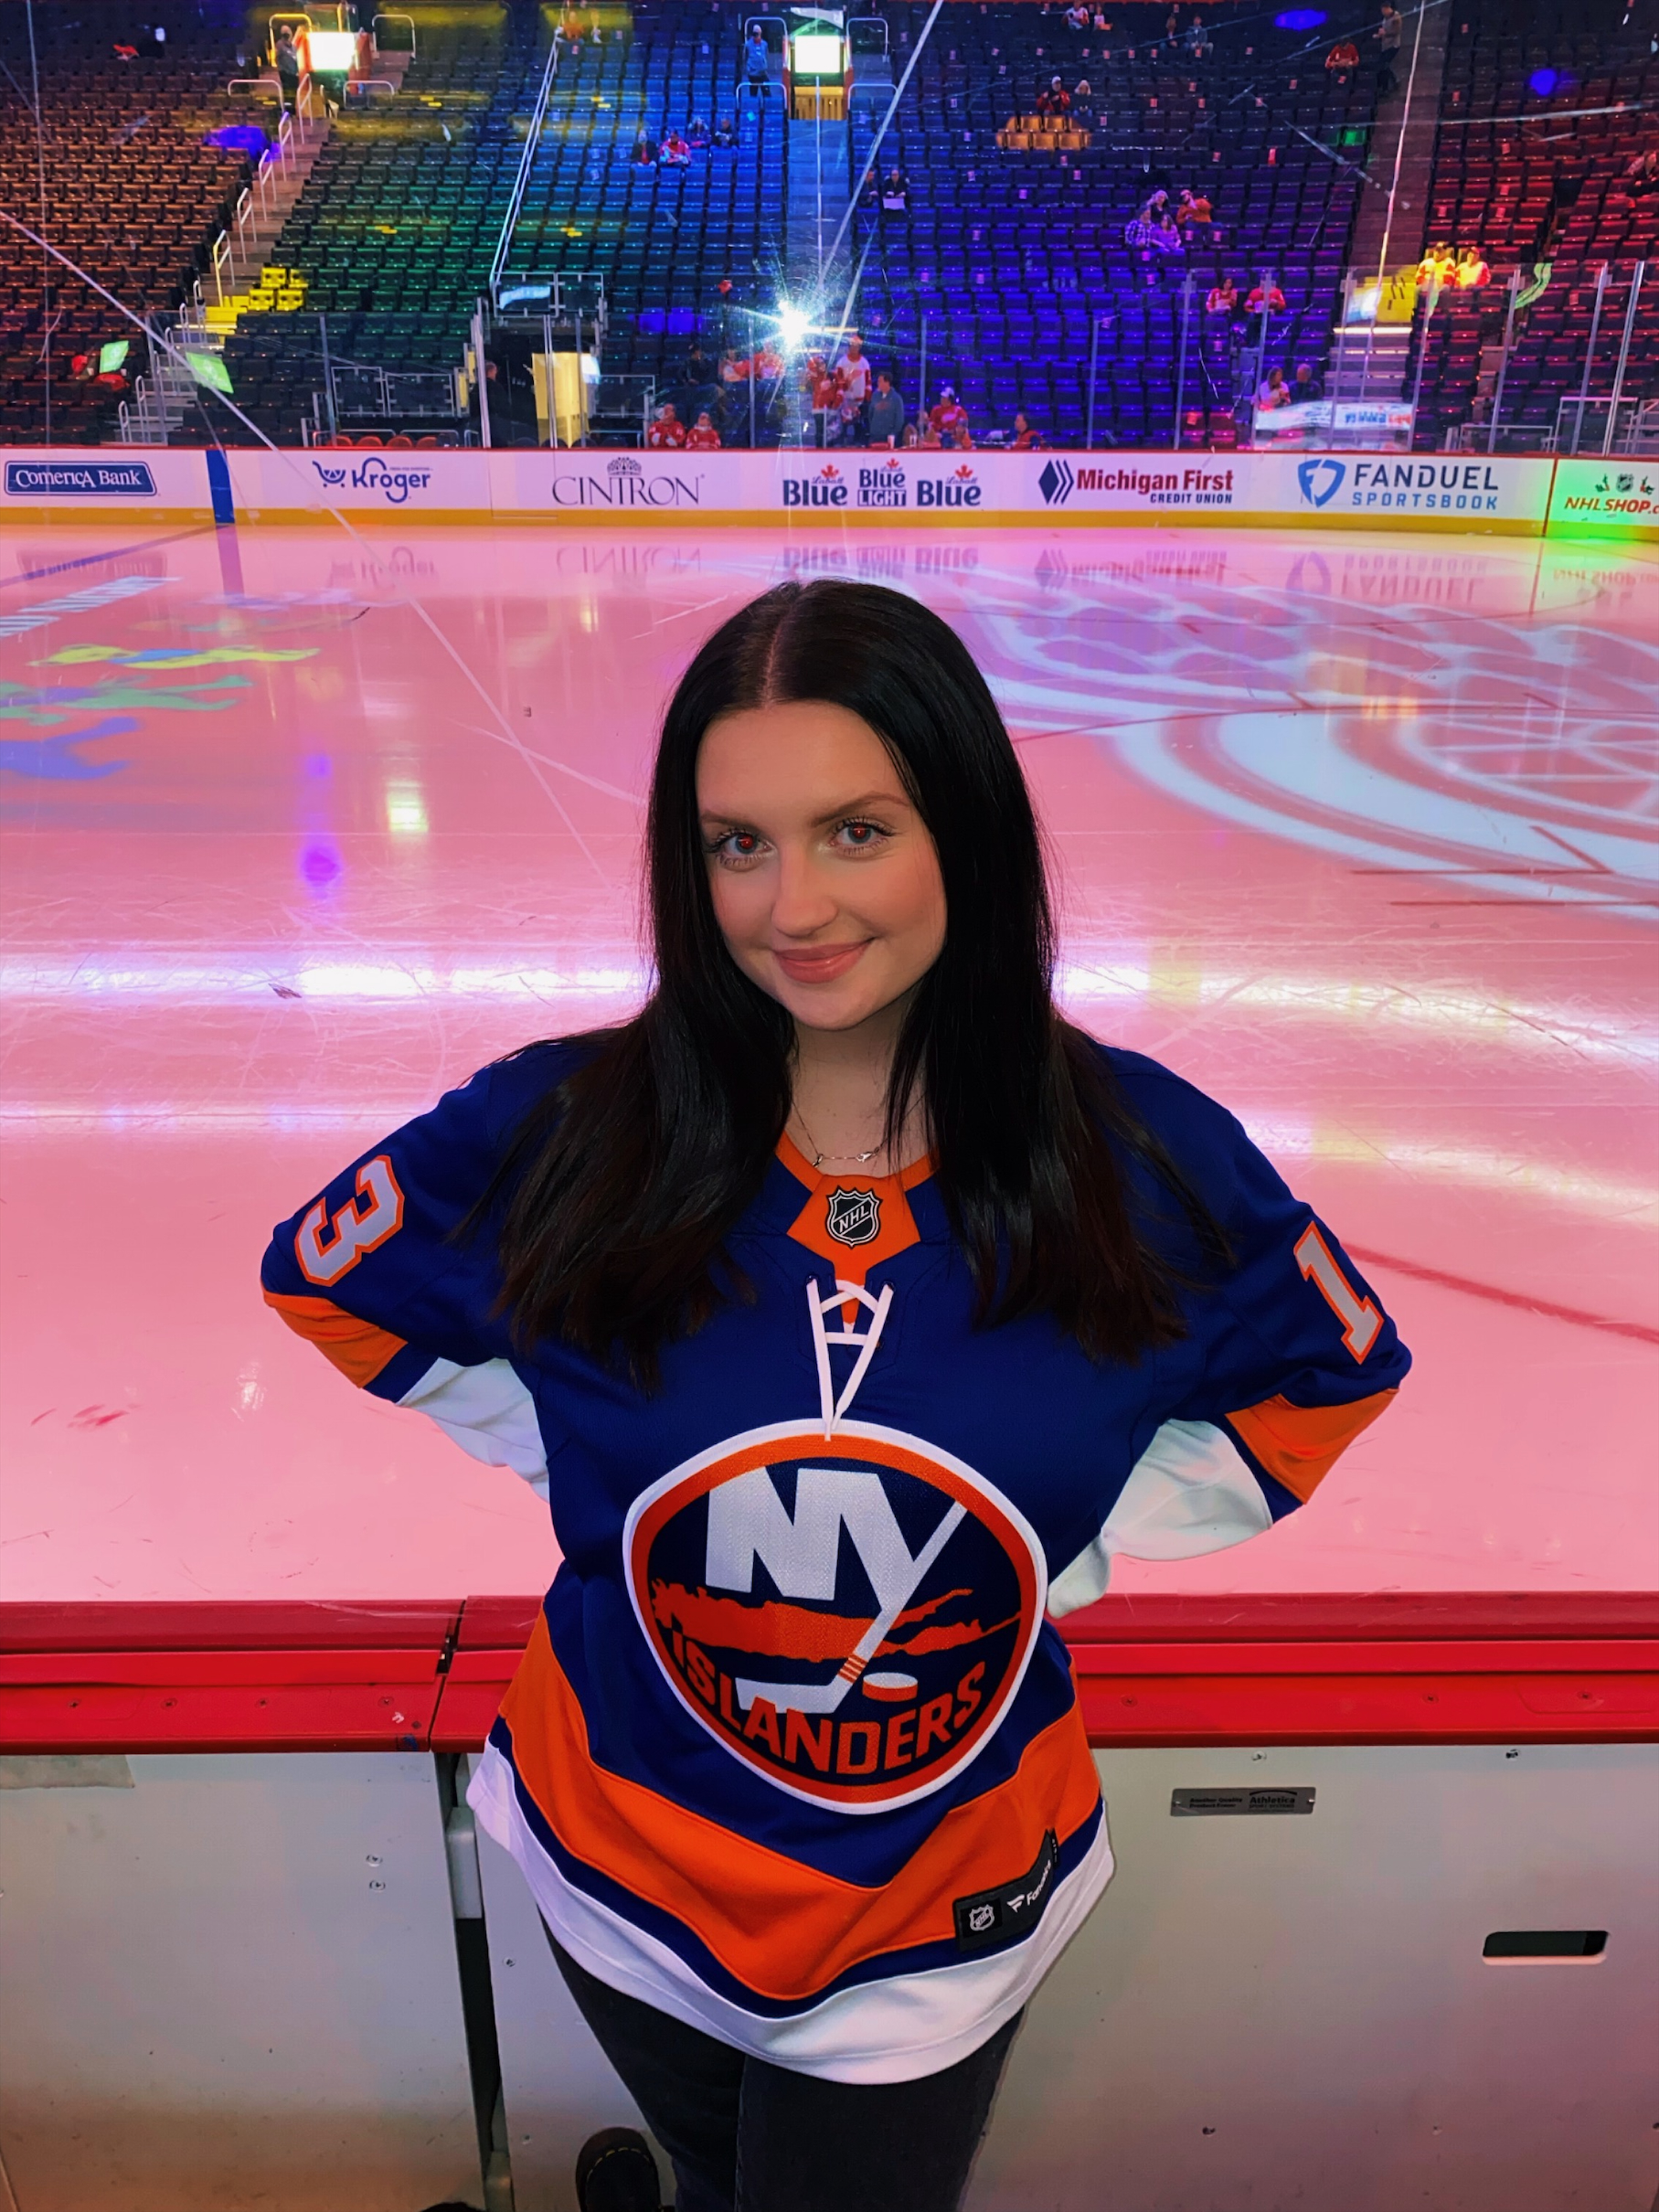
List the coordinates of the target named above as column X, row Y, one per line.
column 841, row 1159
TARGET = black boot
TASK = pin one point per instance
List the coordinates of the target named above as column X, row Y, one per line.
column 616, row 2172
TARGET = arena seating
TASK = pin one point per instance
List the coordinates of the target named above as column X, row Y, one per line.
column 1011, row 257
column 133, row 194
column 1500, row 184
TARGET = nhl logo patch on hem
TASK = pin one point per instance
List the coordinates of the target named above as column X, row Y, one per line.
column 853, row 1216
column 1012, row 1909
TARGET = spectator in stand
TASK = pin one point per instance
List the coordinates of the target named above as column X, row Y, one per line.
column 1641, row 175
column 1197, row 40
column 703, row 437
column 1155, row 206
column 1171, row 26
column 287, row 65
column 1305, row 385
column 1082, row 104
column 1223, row 298
column 853, row 374
column 896, row 191
column 1342, row 60
column 697, row 134
column 1271, row 392
column 886, row 413
column 1266, row 297
column 1025, row 438
column 725, row 131
column 1054, row 104
column 667, row 431
column 645, row 150
column 1077, row 16
column 961, row 439
column 945, row 415
column 1388, row 35
column 1473, row 274
column 1192, row 212
column 756, row 60
column 676, row 152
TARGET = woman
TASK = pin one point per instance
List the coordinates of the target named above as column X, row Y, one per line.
column 1271, row 392
column 851, row 1307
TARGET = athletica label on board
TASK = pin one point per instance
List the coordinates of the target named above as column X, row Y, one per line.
column 849, row 1616
column 1011, row 1910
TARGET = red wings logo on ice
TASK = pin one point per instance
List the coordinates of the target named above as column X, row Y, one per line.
column 851, row 1617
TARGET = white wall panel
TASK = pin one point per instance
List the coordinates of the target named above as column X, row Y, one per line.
column 230, row 1983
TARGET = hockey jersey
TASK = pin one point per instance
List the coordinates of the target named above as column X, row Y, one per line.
column 794, row 1752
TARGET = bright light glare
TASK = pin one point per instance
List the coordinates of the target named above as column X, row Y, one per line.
column 816, row 54
column 792, row 325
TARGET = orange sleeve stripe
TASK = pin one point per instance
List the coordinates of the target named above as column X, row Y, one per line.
column 780, row 1928
column 357, row 1348
column 1298, row 1445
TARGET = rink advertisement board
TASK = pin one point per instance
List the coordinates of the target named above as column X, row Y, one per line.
column 850, row 484
column 400, row 482
column 1614, row 498
column 79, row 482
column 1423, row 491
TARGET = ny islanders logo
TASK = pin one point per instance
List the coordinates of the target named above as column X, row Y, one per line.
column 850, row 1617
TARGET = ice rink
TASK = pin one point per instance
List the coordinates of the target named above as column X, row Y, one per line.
column 302, row 825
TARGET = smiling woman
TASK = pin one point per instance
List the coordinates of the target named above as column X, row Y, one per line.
column 853, row 1311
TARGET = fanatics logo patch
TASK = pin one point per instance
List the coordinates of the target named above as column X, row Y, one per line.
column 851, row 1617
column 853, row 1216
column 1011, row 1910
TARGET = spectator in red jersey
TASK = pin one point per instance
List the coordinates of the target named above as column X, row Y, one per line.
column 946, row 415
column 703, row 437
column 1025, row 438
column 1223, row 298
column 961, row 439
column 1473, row 273
column 667, row 431
column 675, row 149
column 1266, row 295
column 1192, row 212
column 852, row 372
column 1342, row 60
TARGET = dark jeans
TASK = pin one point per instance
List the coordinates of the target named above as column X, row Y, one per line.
column 747, row 2136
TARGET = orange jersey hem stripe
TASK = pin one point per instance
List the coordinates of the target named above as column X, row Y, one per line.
column 357, row 1348
column 1298, row 1445
column 781, row 1928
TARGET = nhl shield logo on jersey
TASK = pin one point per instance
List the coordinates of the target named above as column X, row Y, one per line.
column 853, row 1216
column 850, row 1617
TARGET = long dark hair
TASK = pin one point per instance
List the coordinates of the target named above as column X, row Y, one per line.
column 616, row 1197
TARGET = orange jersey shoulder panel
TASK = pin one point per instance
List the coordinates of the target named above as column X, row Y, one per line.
column 781, row 1928
column 1298, row 1445
column 357, row 1348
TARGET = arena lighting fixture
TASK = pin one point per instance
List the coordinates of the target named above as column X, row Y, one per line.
column 792, row 324
column 815, row 54
column 331, row 50
column 1300, row 19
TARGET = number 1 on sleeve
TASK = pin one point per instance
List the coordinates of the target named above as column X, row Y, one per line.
column 1359, row 1318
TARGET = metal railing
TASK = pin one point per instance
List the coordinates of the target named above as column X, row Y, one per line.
column 395, row 15
column 521, row 182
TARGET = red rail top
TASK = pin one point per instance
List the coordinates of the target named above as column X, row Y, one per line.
column 1442, row 1668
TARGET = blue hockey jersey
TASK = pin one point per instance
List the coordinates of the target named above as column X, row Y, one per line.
column 794, row 1752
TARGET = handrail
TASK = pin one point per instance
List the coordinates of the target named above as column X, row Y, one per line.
column 521, row 181
column 395, row 15
column 292, row 18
